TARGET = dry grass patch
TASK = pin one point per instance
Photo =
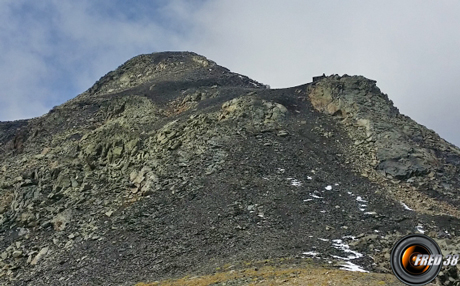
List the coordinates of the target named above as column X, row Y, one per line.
column 284, row 275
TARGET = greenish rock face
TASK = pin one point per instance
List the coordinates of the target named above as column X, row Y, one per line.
column 172, row 164
column 394, row 139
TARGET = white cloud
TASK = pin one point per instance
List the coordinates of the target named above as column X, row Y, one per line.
column 50, row 52
column 411, row 49
column 53, row 50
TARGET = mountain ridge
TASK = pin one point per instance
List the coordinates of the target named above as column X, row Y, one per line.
column 172, row 165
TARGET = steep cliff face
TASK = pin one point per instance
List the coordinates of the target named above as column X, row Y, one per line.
column 387, row 144
column 173, row 165
column 401, row 147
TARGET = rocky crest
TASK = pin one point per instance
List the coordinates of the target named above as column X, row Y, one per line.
column 172, row 165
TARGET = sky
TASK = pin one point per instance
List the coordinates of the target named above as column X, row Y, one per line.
column 51, row 51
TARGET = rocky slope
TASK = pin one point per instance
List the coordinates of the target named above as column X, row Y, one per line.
column 172, row 165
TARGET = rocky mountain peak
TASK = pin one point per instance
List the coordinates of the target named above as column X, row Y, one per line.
column 171, row 165
column 166, row 66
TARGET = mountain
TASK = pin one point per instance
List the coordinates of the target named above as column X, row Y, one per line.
column 172, row 165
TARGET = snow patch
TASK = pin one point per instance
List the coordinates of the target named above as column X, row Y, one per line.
column 315, row 196
column 295, row 182
column 311, row 253
column 361, row 200
column 340, row 245
column 406, row 207
column 328, row 188
column 350, row 254
column 349, row 266
column 420, row 229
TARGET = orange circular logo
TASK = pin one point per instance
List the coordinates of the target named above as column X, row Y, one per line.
column 415, row 259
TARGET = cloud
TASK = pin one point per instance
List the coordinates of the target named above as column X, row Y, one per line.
column 411, row 49
column 54, row 50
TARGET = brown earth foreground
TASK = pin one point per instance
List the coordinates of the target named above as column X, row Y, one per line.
column 266, row 273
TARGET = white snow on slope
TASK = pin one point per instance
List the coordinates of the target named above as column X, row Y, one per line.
column 349, row 266
column 311, row 253
column 295, row 182
column 406, row 207
column 315, row 196
column 340, row 245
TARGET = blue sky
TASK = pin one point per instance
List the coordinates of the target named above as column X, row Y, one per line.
column 50, row 51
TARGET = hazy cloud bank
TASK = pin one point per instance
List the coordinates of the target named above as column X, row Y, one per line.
column 52, row 50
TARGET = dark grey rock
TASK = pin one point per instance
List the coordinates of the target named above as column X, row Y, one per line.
column 172, row 165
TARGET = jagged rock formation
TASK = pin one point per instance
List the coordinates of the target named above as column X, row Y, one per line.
column 173, row 165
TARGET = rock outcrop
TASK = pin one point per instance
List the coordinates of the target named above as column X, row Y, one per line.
column 399, row 144
column 173, row 165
